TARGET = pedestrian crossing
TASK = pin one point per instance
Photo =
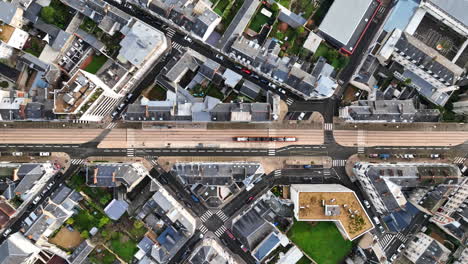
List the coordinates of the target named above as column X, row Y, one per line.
column 459, row 160
column 271, row 152
column 170, row 32
column 203, row 229
column 386, row 239
column 222, row 216
column 220, row 231
column 381, row 9
column 77, row 161
column 177, row 46
column 402, row 237
column 361, row 141
column 289, row 101
column 277, row 173
column 206, row 216
column 77, row 121
column 111, row 125
column 328, row 126
column 338, row 163
column 152, row 161
column 326, row 172
column 130, row 152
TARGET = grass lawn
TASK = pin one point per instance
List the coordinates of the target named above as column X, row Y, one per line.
column 229, row 15
column 322, row 242
column 123, row 246
column 84, row 220
column 258, row 21
column 221, row 7
column 284, row 3
column 213, row 91
column 102, row 257
column 157, row 93
column 96, row 64
column 304, row 260
column 34, row 46
column 303, row 7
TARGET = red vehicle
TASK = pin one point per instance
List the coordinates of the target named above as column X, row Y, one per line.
column 247, row 71
column 230, row 235
column 250, row 199
column 244, row 248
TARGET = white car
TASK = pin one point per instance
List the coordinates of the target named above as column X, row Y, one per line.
column 401, row 247
column 219, row 56
column 36, row 200
column 393, row 257
column 366, row 203
column 188, row 39
column 7, row 232
column 301, row 116
column 44, row 154
column 17, row 153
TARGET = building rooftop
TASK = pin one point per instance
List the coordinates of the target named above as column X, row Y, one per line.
column 115, row 209
column 331, row 202
column 140, row 41
column 7, row 12
column 344, row 18
column 455, row 9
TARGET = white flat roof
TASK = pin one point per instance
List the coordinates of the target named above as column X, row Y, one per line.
column 343, row 18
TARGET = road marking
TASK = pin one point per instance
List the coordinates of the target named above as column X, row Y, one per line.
column 277, row 173
column 130, row 152
column 222, row 215
column 338, row 163
column 289, row 101
column 206, row 216
column 271, row 152
column 203, row 229
column 328, row 126
column 220, row 231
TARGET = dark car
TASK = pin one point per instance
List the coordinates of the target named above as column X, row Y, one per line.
column 163, row 179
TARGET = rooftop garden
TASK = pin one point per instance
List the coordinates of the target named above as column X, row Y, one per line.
column 56, row 14
column 204, row 90
column 258, row 21
column 321, row 241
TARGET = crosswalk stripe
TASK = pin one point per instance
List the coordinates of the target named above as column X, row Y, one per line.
column 271, row 152
column 338, row 163
column 222, row 215
column 385, row 241
column 203, row 229
column 459, row 160
column 111, row 125
column 326, row 172
column 206, row 216
column 289, row 101
column 328, row 126
column 77, row 161
column 277, row 173
column 220, row 231
column 130, row 152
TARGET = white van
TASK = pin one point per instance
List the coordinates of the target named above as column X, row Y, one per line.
column 376, row 220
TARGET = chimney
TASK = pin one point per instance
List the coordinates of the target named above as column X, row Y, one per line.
column 95, row 175
column 146, row 111
column 113, row 176
column 15, row 175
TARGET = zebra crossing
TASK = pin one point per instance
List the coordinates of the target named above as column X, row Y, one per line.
column 385, row 240
column 338, row 163
column 459, row 160
column 206, row 216
column 203, row 229
column 222, row 216
column 289, row 101
column 361, row 141
column 177, row 46
column 381, row 9
column 326, row 172
column 328, row 126
column 277, row 173
column 77, row 121
column 77, row 161
column 111, row 125
column 152, row 160
column 402, row 237
column 271, row 152
column 130, row 152
column 220, row 231
column 170, row 32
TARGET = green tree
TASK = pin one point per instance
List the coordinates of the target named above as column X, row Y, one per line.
column 48, row 14
column 84, row 234
column 138, row 224
column 300, row 30
column 275, row 8
column 70, row 221
column 332, row 55
column 103, row 221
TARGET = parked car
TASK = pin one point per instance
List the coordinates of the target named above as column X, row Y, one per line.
column 401, row 247
column 7, row 232
column 187, row 38
column 230, row 235
column 17, row 153
column 301, row 116
column 376, row 220
column 250, row 199
column 435, row 156
column 187, row 204
column 244, row 248
column 366, row 203
column 36, row 200
column 375, row 155
column 246, row 71
column 195, row 198
column 394, row 256
column 164, row 179
column 44, row 154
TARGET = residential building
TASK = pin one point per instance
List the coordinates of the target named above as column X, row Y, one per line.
column 388, row 111
column 461, row 106
column 194, row 16
column 463, row 257
column 16, row 249
column 26, row 179
column 383, row 184
column 312, row 42
column 13, row 37
column 10, row 14
column 216, row 182
column 170, row 225
column 433, row 76
column 210, row 251
column 331, row 202
column 423, row 249
column 52, row 214
column 344, row 29
column 55, row 37
column 6, row 212
column 293, row 255
column 110, row 175
column 115, row 209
